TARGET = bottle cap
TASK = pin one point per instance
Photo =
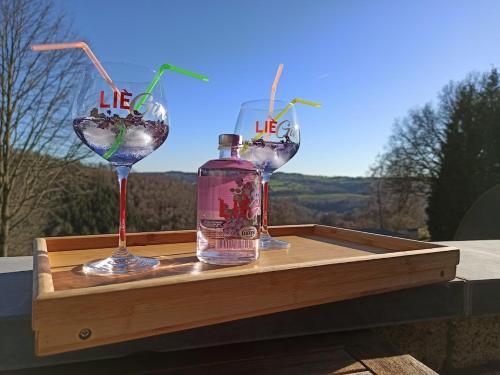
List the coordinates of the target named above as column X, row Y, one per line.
column 230, row 140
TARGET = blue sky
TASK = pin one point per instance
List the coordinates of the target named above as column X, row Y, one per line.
column 366, row 61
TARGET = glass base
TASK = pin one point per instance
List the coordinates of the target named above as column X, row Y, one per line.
column 268, row 243
column 126, row 265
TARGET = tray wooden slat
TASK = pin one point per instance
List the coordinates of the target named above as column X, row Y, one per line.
column 323, row 265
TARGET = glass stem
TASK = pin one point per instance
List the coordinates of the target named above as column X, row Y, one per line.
column 265, row 200
column 122, row 251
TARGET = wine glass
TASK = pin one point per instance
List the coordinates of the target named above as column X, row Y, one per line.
column 269, row 141
column 123, row 125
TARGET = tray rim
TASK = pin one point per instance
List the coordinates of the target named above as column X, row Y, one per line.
column 184, row 279
column 43, row 287
column 280, row 230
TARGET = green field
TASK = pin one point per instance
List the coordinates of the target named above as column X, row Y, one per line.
column 334, row 197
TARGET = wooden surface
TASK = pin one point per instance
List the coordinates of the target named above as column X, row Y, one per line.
column 350, row 353
column 323, row 265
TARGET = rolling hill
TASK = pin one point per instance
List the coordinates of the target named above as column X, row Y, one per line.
column 319, row 194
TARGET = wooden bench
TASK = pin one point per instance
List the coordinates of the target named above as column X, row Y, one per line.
column 357, row 352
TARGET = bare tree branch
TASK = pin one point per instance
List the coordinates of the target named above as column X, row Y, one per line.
column 36, row 140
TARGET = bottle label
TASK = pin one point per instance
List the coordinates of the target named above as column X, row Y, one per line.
column 248, row 233
column 229, row 210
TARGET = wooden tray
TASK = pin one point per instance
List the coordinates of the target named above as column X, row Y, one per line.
column 324, row 264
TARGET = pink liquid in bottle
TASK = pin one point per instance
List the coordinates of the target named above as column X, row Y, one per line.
column 228, row 223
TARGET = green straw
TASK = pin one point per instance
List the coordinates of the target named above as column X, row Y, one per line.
column 118, row 141
column 121, row 136
column 158, row 75
column 293, row 102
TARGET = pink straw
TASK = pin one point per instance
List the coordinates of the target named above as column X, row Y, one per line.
column 273, row 90
column 86, row 49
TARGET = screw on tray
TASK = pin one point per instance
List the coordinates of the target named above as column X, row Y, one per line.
column 84, row 334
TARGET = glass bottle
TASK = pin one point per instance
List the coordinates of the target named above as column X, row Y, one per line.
column 228, row 220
